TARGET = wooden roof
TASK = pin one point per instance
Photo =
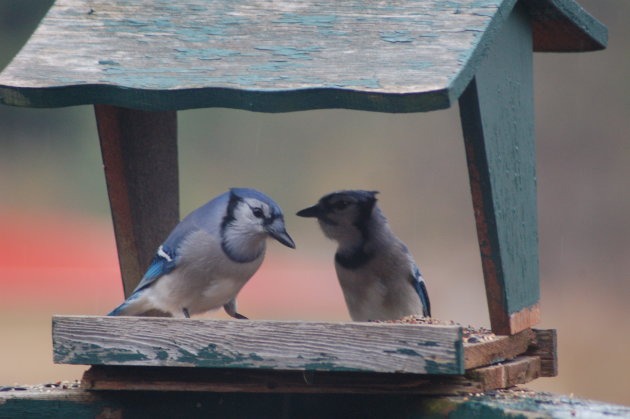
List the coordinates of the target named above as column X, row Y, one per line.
column 273, row 56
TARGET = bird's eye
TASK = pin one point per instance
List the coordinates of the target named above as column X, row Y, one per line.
column 258, row 213
column 341, row 205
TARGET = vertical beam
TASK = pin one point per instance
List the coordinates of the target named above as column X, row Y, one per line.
column 139, row 151
column 497, row 114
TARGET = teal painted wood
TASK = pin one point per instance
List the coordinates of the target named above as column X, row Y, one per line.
column 272, row 345
column 258, row 55
column 76, row 403
column 497, row 114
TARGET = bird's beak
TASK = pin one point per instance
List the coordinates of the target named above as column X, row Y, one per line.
column 279, row 233
column 310, row 212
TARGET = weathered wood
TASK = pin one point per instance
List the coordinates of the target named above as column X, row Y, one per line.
column 106, row 377
column 518, row 371
column 367, row 347
column 563, row 26
column 498, row 125
column 546, row 348
column 139, row 151
column 267, row 56
column 77, row 403
column 501, row 349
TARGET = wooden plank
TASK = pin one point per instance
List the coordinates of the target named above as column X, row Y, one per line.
column 367, row 347
column 79, row 403
column 106, row 377
column 259, row 55
column 498, row 124
column 518, row 371
column 501, row 349
column 139, row 151
column 546, row 348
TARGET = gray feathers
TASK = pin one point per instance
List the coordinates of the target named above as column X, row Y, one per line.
column 378, row 276
column 209, row 256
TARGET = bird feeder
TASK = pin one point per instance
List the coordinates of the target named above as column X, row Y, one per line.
column 139, row 62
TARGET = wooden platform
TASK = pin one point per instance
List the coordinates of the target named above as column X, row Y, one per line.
column 29, row 403
column 292, row 356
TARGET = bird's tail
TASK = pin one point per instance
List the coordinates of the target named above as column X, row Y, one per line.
column 132, row 306
column 424, row 298
column 136, row 306
column 120, row 310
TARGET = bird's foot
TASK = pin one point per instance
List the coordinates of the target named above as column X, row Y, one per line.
column 186, row 313
column 240, row 316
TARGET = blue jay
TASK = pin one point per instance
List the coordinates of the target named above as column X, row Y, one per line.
column 208, row 257
column 379, row 279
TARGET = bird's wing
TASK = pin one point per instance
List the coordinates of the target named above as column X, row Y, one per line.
column 163, row 262
column 421, row 289
column 207, row 217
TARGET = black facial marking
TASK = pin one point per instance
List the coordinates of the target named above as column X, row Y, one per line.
column 353, row 260
column 341, row 205
column 272, row 217
column 228, row 218
column 363, row 219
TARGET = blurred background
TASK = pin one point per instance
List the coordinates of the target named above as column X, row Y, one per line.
column 58, row 256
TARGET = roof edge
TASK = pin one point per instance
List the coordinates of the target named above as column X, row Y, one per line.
column 564, row 26
column 268, row 101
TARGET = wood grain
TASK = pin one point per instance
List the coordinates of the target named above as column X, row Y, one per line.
column 268, row 56
column 247, row 344
column 139, row 150
column 501, row 349
column 518, row 371
column 546, row 348
column 497, row 113
column 105, row 377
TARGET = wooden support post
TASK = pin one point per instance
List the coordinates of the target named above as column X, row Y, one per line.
column 140, row 160
column 497, row 115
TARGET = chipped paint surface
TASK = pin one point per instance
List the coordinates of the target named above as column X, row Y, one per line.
column 506, row 404
column 365, row 347
column 366, row 55
column 253, row 45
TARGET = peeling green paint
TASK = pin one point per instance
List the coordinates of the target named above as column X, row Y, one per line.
column 434, row 367
column 403, row 351
column 326, row 21
column 397, row 36
column 210, row 356
column 91, row 354
column 316, row 34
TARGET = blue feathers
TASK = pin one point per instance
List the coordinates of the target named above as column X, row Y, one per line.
column 377, row 274
column 163, row 262
column 118, row 311
column 192, row 272
column 421, row 289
